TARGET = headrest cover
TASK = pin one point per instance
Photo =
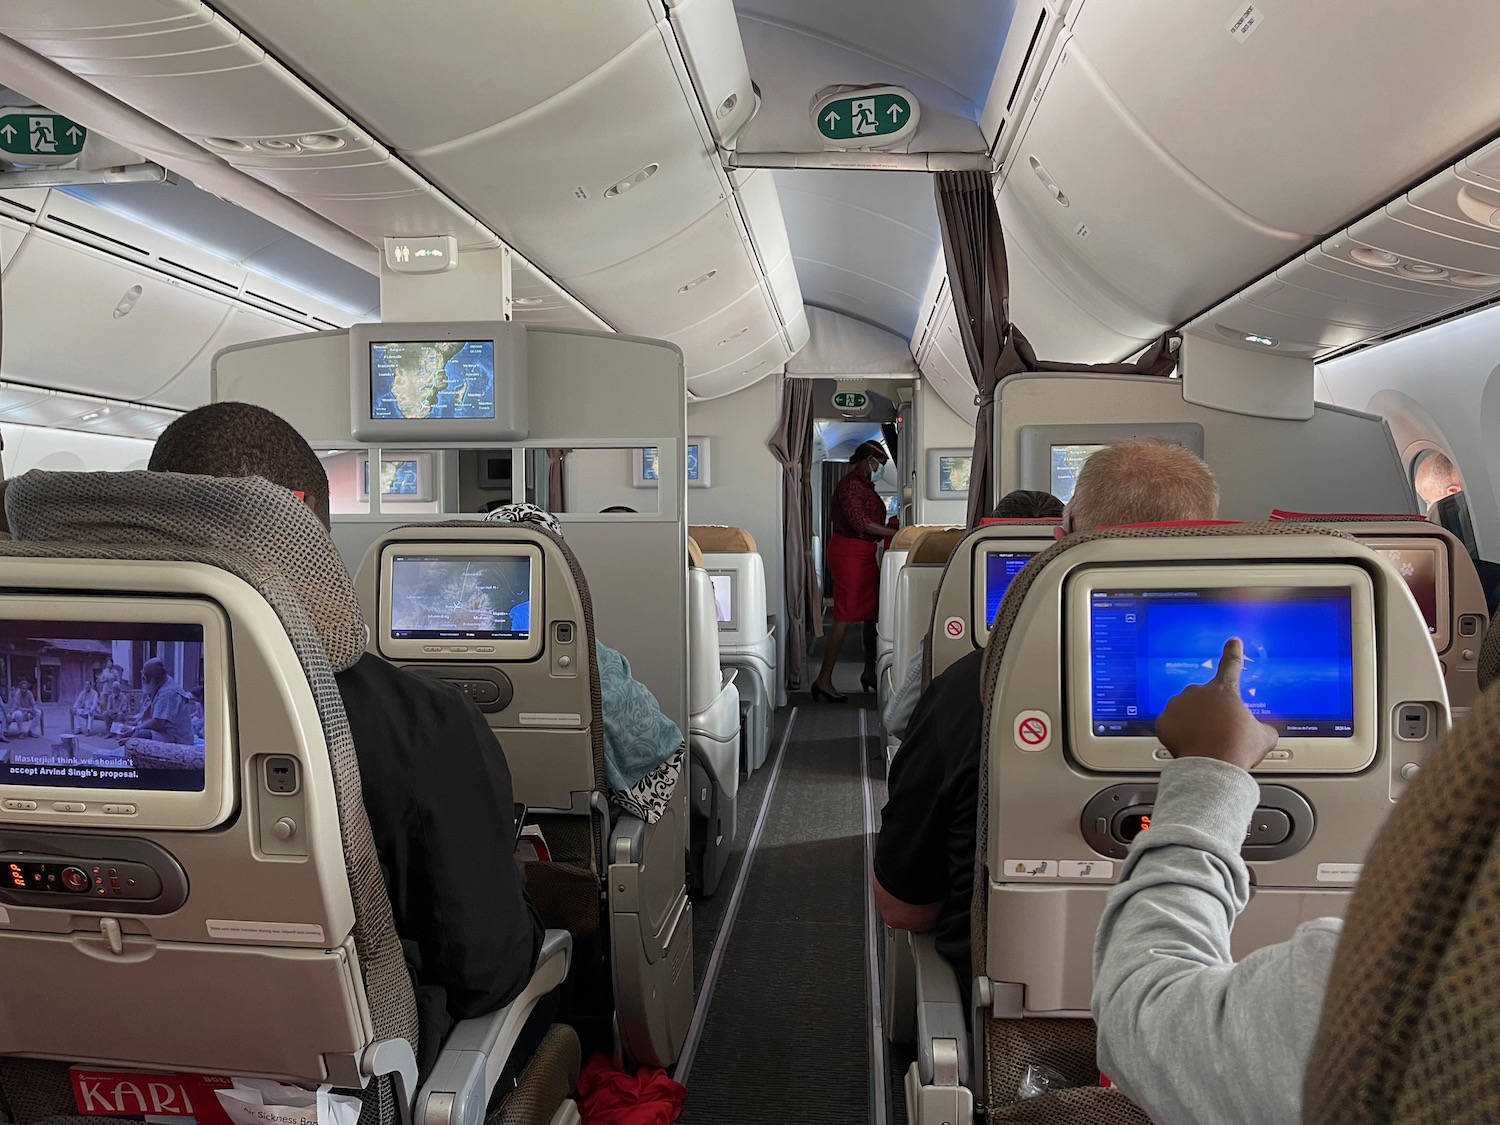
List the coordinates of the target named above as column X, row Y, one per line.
column 718, row 539
column 248, row 516
column 907, row 537
column 935, row 547
column 1344, row 517
column 524, row 514
column 695, row 554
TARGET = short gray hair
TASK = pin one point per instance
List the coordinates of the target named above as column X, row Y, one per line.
column 1143, row 480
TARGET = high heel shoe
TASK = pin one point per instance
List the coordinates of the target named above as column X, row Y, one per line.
column 866, row 683
column 819, row 695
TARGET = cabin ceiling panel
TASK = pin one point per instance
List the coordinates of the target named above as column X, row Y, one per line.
column 11, row 235
column 1360, row 95
column 125, row 356
column 1342, row 279
column 954, row 43
column 539, row 302
column 864, row 241
column 741, row 329
column 946, row 370
column 791, row 65
column 1278, row 296
column 1408, row 233
column 614, row 124
column 394, row 62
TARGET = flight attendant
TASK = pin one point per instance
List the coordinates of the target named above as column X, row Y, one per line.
column 858, row 515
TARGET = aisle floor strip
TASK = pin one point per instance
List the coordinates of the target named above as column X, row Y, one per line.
column 731, row 912
column 879, row 1069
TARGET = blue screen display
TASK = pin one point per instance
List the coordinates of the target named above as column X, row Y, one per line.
column 447, row 379
column 1000, row 569
column 1147, row 645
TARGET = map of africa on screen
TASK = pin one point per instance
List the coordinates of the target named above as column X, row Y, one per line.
column 436, row 379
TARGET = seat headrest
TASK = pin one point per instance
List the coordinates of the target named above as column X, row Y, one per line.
column 1344, row 517
column 1410, row 1023
column 935, row 547
column 719, row 539
column 695, row 554
column 908, row 535
column 248, row 516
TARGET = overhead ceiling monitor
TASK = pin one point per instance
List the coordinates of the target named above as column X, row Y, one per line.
column 438, row 382
column 1053, row 456
column 454, row 600
column 154, row 753
column 1139, row 636
column 948, row 473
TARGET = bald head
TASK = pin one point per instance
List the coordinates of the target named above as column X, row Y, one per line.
column 1142, row 481
column 1437, row 476
column 237, row 439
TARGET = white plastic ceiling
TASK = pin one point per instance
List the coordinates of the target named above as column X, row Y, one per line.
column 864, row 242
column 1165, row 161
column 523, row 130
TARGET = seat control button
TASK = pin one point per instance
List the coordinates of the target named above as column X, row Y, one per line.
column 284, row 829
column 1409, row 771
column 69, row 806
column 120, row 810
column 1279, row 756
column 20, row 806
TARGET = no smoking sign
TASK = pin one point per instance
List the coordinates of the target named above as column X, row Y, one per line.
column 954, row 627
column 1033, row 731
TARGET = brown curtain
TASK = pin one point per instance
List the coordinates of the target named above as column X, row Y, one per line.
column 557, row 486
column 978, row 277
column 791, row 444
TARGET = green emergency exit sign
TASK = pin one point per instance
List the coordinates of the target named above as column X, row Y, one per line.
column 863, row 116
column 40, row 134
column 850, row 400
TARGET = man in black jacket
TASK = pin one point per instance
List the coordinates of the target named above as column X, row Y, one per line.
column 436, row 785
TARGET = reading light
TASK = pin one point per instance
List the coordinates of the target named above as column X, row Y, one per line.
column 527, row 300
column 1422, row 271
column 274, row 145
column 1474, row 280
column 226, row 144
column 697, row 281
column 630, row 181
column 1380, row 259
column 1263, row 341
column 321, row 142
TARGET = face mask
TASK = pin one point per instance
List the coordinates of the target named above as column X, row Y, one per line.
column 876, row 472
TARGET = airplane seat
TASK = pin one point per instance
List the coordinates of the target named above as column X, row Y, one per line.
column 916, row 585
column 1441, row 576
column 1068, row 777
column 614, row 881
column 714, row 735
column 1411, row 1018
column 887, row 671
column 228, row 878
column 1488, row 670
column 747, row 634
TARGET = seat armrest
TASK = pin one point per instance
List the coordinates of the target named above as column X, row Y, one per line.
column 942, row 1012
column 476, row 1051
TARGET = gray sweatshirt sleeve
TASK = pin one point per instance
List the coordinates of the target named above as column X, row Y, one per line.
column 1193, row 1037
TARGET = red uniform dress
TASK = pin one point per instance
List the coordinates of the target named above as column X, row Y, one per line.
column 851, row 551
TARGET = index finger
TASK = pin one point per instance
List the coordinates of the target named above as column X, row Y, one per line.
column 1231, row 661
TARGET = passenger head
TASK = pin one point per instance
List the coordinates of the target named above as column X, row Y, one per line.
column 1028, row 504
column 153, row 672
column 870, row 459
column 1437, row 476
column 237, row 439
column 525, row 513
column 1143, row 480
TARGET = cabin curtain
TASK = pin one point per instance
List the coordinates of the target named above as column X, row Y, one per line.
column 557, row 486
column 792, row 446
column 978, row 278
column 974, row 251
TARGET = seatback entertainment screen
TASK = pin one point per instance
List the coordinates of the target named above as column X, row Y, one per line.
column 102, row 705
column 480, row 598
column 1000, row 570
column 723, row 585
column 1146, row 645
